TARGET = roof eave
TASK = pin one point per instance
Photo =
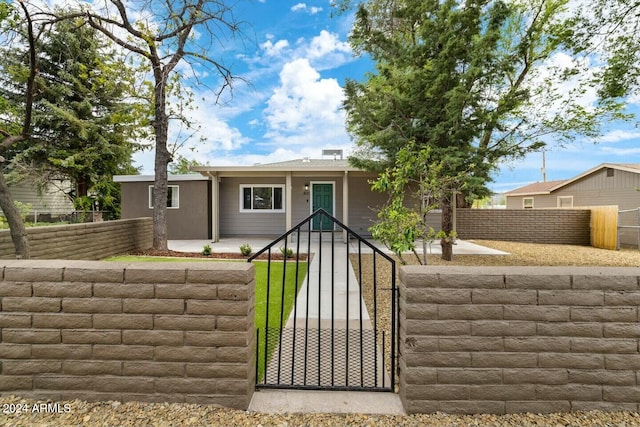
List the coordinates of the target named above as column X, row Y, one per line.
column 262, row 169
column 151, row 178
column 536, row 193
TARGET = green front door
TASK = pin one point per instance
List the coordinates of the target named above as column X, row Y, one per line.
column 322, row 198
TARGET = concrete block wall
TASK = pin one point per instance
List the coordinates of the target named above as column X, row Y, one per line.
column 557, row 226
column 90, row 241
column 519, row 339
column 174, row 332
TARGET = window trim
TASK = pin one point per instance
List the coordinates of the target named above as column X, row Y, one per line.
column 524, row 204
column 564, row 197
column 177, row 197
column 252, row 186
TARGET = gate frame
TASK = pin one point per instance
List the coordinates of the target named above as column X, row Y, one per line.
column 395, row 309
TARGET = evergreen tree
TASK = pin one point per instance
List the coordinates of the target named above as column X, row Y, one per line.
column 85, row 122
column 464, row 81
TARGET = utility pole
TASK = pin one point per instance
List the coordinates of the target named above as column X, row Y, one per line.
column 544, row 166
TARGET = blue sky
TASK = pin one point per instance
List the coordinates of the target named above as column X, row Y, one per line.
column 295, row 60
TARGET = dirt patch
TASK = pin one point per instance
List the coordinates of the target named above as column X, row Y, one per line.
column 215, row 255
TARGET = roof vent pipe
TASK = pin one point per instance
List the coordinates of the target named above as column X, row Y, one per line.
column 334, row 153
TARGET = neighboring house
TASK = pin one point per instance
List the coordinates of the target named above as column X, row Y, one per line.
column 536, row 195
column 259, row 200
column 51, row 202
column 607, row 184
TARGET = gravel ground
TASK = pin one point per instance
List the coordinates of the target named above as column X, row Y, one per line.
column 76, row 412
column 80, row 413
column 520, row 254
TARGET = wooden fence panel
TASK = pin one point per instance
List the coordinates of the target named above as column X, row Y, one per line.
column 604, row 227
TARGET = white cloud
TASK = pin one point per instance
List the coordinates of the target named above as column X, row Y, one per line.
column 326, row 43
column 619, row 135
column 304, row 102
column 274, row 49
column 302, row 7
column 298, row 7
column 214, row 133
column 324, row 51
column 615, row 151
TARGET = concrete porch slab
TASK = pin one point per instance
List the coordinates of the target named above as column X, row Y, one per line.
column 232, row 244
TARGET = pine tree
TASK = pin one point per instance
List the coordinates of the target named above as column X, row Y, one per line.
column 85, row 122
column 463, row 81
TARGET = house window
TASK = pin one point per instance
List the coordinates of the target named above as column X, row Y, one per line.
column 565, row 201
column 610, row 172
column 262, row 198
column 173, row 197
column 527, row 203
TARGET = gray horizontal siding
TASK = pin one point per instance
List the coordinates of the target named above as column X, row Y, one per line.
column 363, row 205
column 52, row 200
column 233, row 222
column 596, row 189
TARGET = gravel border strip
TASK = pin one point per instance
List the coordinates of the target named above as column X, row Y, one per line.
column 81, row 413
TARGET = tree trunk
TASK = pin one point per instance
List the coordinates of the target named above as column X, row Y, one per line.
column 447, row 226
column 162, row 159
column 424, row 251
column 16, row 225
column 461, row 201
column 82, row 186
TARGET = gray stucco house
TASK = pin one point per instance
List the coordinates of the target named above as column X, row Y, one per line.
column 608, row 184
column 258, row 200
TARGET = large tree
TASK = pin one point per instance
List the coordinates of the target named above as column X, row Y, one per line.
column 473, row 81
column 610, row 30
column 85, row 120
column 164, row 34
column 15, row 126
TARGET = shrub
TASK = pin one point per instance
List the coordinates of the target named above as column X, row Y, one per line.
column 206, row 250
column 288, row 253
column 245, row 249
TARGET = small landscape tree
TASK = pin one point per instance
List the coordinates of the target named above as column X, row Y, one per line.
column 403, row 220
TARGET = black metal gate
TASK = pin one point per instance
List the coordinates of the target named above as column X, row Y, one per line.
column 333, row 327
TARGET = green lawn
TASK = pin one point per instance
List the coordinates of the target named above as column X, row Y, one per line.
column 275, row 291
column 275, row 300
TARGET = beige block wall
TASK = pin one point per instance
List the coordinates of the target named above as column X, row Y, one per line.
column 167, row 332
column 89, row 241
column 556, row 226
column 519, row 339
